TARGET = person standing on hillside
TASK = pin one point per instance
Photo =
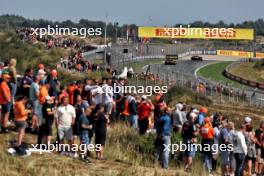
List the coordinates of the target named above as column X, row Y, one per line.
column 5, row 101
column 26, row 82
column 48, row 111
column 34, row 101
column 259, row 133
column 83, row 127
column 43, row 93
column 107, row 96
column 54, row 84
column 207, row 134
column 164, row 127
column 144, row 111
column 189, row 135
column 101, row 122
column 13, row 79
column 178, row 118
column 239, row 149
column 133, row 111
column 21, row 115
column 65, row 118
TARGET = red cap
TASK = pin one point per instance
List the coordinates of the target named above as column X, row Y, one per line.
column 54, row 73
column 207, row 120
column 40, row 66
column 204, row 110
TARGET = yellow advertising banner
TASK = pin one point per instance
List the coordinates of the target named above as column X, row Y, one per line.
column 196, row 33
column 242, row 54
column 260, row 55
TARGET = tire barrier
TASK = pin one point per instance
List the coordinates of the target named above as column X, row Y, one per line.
column 241, row 80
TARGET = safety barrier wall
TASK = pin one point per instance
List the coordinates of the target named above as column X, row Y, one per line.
column 240, row 79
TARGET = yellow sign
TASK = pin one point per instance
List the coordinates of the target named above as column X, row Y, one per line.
column 260, row 55
column 242, row 54
column 196, row 33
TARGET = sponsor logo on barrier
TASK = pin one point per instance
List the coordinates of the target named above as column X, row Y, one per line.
column 243, row 54
column 260, row 55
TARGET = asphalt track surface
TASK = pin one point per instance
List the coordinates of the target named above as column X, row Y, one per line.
column 188, row 67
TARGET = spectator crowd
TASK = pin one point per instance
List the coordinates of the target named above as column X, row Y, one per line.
column 39, row 104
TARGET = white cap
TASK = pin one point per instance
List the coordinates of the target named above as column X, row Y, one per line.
column 196, row 111
column 248, row 120
column 48, row 98
column 144, row 97
column 41, row 72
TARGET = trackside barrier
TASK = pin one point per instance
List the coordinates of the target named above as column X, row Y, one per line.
column 241, row 80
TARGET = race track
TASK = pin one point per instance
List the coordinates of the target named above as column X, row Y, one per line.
column 186, row 67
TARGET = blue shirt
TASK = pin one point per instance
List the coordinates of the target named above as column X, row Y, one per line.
column 163, row 125
column 83, row 120
column 201, row 117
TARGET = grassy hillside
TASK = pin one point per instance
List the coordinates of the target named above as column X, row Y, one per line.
column 214, row 72
column 250, row 70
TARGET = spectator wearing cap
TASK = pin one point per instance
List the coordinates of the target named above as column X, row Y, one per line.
column 54, row 84
column 26, row 82
column 251, row 147
column 144, row 110
column 5, row 101
column 201, row 116
column 239, row 149
column 207, row 134
column 179, row 117
column 42, row 74
column 48, row 111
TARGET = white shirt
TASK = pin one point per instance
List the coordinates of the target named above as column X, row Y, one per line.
column 107, row 94
column 97, row 95
column 239, row 143
column 65, row 114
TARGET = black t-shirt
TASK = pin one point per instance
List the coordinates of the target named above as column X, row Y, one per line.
column 48, row 119
column 187, row 130
column 25, row 81
column 258, row 133
column 100, row 123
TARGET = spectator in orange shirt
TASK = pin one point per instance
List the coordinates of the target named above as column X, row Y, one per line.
column 5, row 101
column 43, row 92
column 71, row 90
column 207, row 134
column 63, row 93
column 21, row 115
